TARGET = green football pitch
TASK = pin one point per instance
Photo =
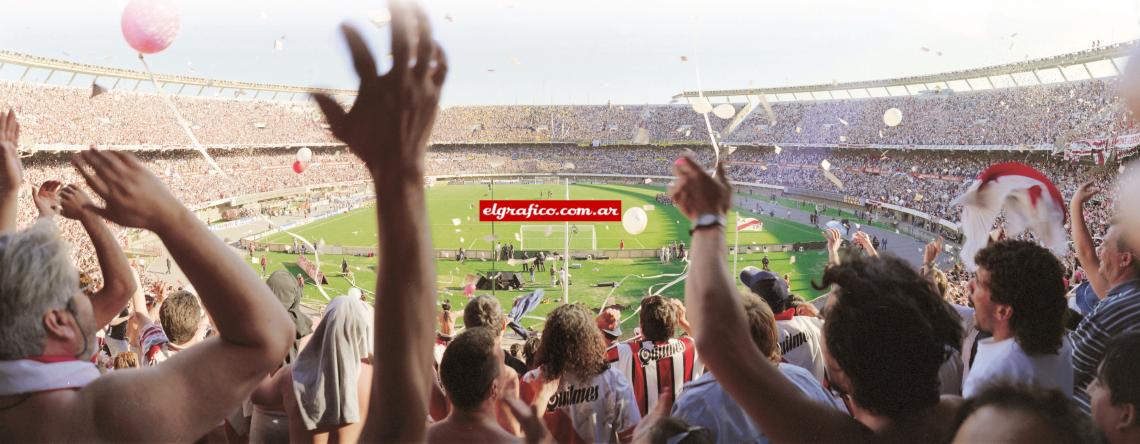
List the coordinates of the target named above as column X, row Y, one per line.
column 448, row 204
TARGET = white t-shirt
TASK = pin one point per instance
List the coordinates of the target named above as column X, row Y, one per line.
column 705, row 403
column 1005, row 360
column 591, row 411
column 799, row 341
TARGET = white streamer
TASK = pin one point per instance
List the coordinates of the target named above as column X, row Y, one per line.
column 210, row 160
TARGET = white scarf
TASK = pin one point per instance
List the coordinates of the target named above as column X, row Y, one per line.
column 27, row 376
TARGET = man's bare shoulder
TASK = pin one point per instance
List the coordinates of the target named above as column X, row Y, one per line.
column 448, row 431
column 58, row 415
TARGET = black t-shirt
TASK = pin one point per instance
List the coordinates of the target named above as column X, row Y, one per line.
column 119, row 332
column 516, row 364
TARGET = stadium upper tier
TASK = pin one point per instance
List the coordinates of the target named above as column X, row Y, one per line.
column 60, row 117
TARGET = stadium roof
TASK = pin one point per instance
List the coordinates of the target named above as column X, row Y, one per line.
column 1062, row 68
column 172, row 84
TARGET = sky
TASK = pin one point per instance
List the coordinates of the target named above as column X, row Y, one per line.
column 586, row 51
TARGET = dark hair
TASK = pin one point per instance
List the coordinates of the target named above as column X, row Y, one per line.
column 530, row 348
column 179, row 316
column 890, row 332
column 1051, row 407
column 658, row 318
column 762, row 326
column 483, row 311
column 1120, row 369
column 469, row 367
column 571, row 343
column 1029, row 279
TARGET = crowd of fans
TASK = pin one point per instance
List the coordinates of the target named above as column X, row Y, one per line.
column 229, row 358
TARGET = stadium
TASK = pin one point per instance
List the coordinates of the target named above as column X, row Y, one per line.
column 262, row 168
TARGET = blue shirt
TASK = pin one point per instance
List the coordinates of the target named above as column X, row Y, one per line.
column 1117, row 314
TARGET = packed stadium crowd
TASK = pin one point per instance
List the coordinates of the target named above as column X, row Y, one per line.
column 232, row 358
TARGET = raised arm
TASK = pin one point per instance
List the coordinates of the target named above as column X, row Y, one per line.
column 254, row 332
column 388, row 128
column 11, row 171
column 1082, row 239
column 721, row 331
column 118, row 280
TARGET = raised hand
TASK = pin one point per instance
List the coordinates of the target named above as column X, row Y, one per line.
column 74, row 202
column 697, row 193
column 11, row 170
column 1086, row 191
column 530, row 421
column 391, row 120
column 932, row 250
column 134, row 196
column 864, row 241
column 46, row 198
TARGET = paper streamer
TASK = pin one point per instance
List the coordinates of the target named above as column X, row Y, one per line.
column 210, row 160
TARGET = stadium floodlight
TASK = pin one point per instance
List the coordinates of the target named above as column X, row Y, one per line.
column 551, row 237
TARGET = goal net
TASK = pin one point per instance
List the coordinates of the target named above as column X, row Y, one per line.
column 552, row 237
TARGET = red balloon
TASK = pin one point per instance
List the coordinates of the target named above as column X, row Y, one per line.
column 150, row 25
column 298, row 167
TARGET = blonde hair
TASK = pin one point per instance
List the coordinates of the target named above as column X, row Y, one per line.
column 126, row 360
column 36, row 275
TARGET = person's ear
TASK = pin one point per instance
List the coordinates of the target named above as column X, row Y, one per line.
column 496, row 390
column 1004, row 312
column 1128, row 416
column 59, row 324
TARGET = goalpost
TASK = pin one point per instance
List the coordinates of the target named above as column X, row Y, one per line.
column 551, row 237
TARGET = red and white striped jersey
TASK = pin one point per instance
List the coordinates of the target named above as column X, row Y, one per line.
column 654, row 366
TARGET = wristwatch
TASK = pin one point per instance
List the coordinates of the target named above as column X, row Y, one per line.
column 708, row 220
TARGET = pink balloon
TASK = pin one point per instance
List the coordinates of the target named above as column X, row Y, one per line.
column 298, row 167
column 150, row 25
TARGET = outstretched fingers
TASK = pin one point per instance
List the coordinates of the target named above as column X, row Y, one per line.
column 92, row 178
column 425, row 46
column 362, row 58
column 333, row 112
column 402, row 15
column 440, row 72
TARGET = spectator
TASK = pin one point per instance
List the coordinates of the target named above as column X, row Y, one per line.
column 1114, row 394
column 657, row 361
column 52, row 319
column 891, row 383
column 126, row 360
column 182, row 324
column 594, row 399
column 1019, row 299
column 609, row 323
column 799, row 337
column 326, row 391
column 485, row 311
column 1115, row 315
column 289, row 294
column 704, row 402
column 471, row 373
column 1022, row 414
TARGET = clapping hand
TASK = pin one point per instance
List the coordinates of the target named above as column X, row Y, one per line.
column 932, row 250
column 46, row 198
column 134, row 196
column 864, row 241
column 74, row 202
column 390, row 122
column 11, row 170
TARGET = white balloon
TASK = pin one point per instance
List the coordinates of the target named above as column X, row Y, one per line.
column 893, row 117
column 634, row 220
column 701, row 105
column 304, row 154
column 724, row 111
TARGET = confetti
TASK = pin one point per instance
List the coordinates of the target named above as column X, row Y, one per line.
column 777, row 148
column 842, row 138
column 458, row 230
column 97, row 89
column 456, row 221
column 279, row 44
column 768, row 110
column 380, row 17
column 461, row 240
column 798, row 129
column 825, row 165
column 518, row 237
column 684, row 58
column 648, row 181
column 844, row 122
column 568, row 166
column 835, row 180
column 447, row 16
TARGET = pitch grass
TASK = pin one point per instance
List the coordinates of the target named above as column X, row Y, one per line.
column 809, row 265
column 448, row 202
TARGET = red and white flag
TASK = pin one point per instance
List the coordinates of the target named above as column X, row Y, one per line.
column 1030, row 202
column 749, row 224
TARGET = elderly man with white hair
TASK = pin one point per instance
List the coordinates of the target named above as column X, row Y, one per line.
column 47, row 323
